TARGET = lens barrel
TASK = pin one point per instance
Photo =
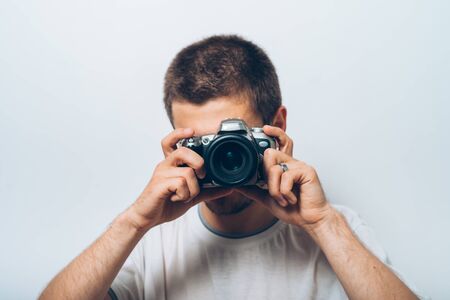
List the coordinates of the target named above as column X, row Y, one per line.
column 231, row 160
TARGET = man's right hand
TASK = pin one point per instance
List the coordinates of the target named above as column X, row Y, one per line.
column 173, row 188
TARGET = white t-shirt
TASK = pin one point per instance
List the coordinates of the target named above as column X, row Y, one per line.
column 185, row 259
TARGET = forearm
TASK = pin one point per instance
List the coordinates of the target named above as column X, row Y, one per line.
column 90, row 274
column 361, row 273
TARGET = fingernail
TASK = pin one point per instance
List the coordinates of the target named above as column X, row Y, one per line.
column 187, row 130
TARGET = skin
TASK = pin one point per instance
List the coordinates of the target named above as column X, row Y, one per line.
column 295, row 197
column 204, row 119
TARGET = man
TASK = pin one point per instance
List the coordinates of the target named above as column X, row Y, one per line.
column 178, row 241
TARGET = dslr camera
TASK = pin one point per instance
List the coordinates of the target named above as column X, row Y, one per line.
column 233, row 156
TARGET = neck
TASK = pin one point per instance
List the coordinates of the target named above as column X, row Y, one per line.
column 252, row 219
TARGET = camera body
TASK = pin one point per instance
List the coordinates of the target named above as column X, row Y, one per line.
column 233, row 156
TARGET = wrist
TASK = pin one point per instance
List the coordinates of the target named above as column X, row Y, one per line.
column 131, row 221
column 331, row 223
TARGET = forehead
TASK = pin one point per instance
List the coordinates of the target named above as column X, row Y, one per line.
column 205, row 118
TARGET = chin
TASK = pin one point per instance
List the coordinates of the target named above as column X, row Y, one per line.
column 229, row 205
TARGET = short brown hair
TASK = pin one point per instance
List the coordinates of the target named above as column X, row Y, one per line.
column 223, row 65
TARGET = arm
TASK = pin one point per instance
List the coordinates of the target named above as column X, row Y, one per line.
column 90, row 274
column 171, row 191
column 296, row 197
column 361, row 273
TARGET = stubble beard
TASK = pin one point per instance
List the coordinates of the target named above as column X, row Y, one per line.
column 229, row 205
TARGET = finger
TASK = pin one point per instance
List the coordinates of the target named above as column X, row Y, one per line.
column 189, row 157
column 188, row 174
column 274, row 157
column 286, row 144
column 211, row 194
column 176, row 189
column 273, row 184
column 288, row 179
column 169, row 142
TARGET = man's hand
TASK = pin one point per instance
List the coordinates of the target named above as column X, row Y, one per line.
column 90, row 274
column 173, row 188
column 294, row 196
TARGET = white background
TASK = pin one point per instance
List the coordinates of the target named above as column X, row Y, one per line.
column 366, row 84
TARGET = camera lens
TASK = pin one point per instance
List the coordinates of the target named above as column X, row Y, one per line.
column 230, row 157
column 232, row 160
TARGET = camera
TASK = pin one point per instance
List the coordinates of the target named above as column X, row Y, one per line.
column 233, row 156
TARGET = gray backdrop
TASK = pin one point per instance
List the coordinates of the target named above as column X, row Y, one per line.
column 81, row 117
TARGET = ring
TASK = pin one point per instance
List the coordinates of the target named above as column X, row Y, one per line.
column 284, row 167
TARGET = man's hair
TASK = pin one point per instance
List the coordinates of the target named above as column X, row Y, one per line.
column 223, row 65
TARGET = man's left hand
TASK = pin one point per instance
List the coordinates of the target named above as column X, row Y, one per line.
column 294, row 196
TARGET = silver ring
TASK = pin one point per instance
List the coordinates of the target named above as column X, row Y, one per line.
column 284, row 167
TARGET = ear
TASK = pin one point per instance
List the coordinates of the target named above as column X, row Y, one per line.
column 279, row 120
